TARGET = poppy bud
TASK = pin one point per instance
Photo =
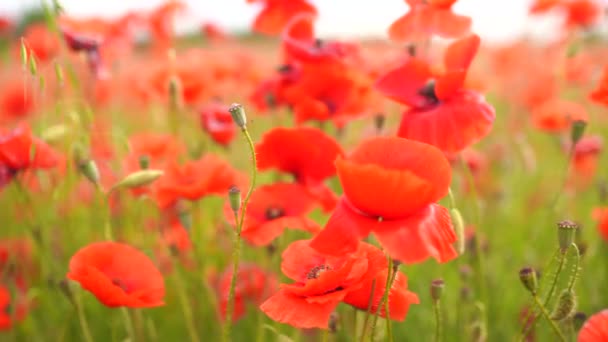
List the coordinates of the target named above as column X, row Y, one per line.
column 144, row 162
column 379, row 121
column 528, row 277
column 54, row 133
column 566, row 231
column 577, row 130
column 23, row 53
column 579, row 319
column 33, row 66
column 238, row 115
column 437, row 286
column 138, row 178
column 459, row 229
column 566, row 304
column 334, row 322
column 89, row 169
column 234, row 196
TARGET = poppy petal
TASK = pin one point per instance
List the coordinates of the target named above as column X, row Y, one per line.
column 297, row 311
column 404, row 83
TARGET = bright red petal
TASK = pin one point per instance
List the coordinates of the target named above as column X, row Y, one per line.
column 296, row 311
column 404, row 83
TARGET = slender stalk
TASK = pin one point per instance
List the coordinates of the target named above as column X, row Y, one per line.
column 239, row 228
column 577, row 261
column 183, row 298
column 560, row 266
column 545, row 314
column 84, row 325
column 128, row 324
column 438, row 320
column 390, row 277
column 368, row 311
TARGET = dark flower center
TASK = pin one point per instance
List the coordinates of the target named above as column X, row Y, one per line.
column 274, row 213
column 428, row 91
column 118, row 282
column 316, row 271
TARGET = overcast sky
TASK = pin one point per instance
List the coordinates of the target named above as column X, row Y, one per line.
column 495, row 20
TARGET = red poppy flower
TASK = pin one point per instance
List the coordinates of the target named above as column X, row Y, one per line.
column 578, row 13
column 600, row 94
column 156, row 150
column 217, row 121
column 585, row 161
column 160, row 22
column 196, row 179
column 556, row 116
column 595, row 329
column 13, row 307
column 118, row 275
column 390, row 188
column 442, row 112
column 428, row 18
column 276, row 14
column 253, row 286
column 601, row 216
column 272, row 208
column 43, row 43
column 19, row 150
column 270, row 93
column 16, row 99
column 323, row 281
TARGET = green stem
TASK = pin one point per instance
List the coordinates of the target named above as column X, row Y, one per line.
column 183, row 298
column 577, row 260
column 560, row 266
column 84, row 325
column 390, row 277
column 239, row 228
column 543, row 310
column 438, row 321
column 368, row 311
column 128, row 324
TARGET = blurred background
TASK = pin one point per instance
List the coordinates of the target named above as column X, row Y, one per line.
column 498, row 21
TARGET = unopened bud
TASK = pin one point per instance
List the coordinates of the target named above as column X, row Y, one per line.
column 437, row 286
column 458, row 223
column 379, row 121
column 138, row 178
column 565, row 306
column 33, row 66
column 579, row 319
column 54, row 133
column 334, row 322
column 577, row 131
column 529, row 279
column 238, row 115
column 144, row 162
column 23, row 54
column 566, row 231
column 89, row 169
column 234, row 196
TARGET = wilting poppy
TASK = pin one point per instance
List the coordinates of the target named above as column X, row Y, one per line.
column 274, row 207
column 218, row 123
column 442, row 112
column 276, row 14
column 428, row 18
column 118, row 275
column 253, row 286
column 196, row 179
column 600, row 94
column 556, row 116
column 323, row 281
column 595, row 329
column 390, row 188
column 20, row 150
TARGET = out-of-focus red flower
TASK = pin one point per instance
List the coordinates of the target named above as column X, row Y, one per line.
column 207, row 176
column 556, row 116
column 442, row 113
column 41, row 42
column 276, row 14
column 160, row 23
column 217, row 122
column 600, row 215
column 214, row 33
column 390, row 188
column 16, row 99
column 595, row 329
column 428, row 18
column 253, row 285
column 323, row 281
column 289, row 150
column 578, row 13
column 585, row 159
column 600, row 94
column 6, row 26
column 274, row 207
column 118, row 275
column 20, row 150
column 156, row 150
column 13, row 307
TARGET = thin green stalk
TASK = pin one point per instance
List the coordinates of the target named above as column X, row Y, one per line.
column 183, row 298
column 545, row 314
column 577, row 261
column 390, row 277
column 84, row 325
column 239, row 228
column 368, row 311
column 562, row 260
column 438, row 320
column 128, row 324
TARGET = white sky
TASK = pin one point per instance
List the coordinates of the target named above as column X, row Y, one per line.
column 495, row 20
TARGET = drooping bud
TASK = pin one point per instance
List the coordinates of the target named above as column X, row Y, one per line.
column 334, row 322
column 85, row 165
column 437, row 286
column 528, row 277
column 144, row 162
column 577, row 131
column 565, row 306
column 566, row 231
column 579, row 319
column 234, row 196
column 138, row 178
column 458, row 223
column 33, row 65
column 238, row 115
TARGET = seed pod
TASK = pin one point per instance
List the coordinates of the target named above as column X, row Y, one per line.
column 234, row 196
column 528, row 277
column 566, row 304
column 437, row 286
column 238, row 115
column 566, row 231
